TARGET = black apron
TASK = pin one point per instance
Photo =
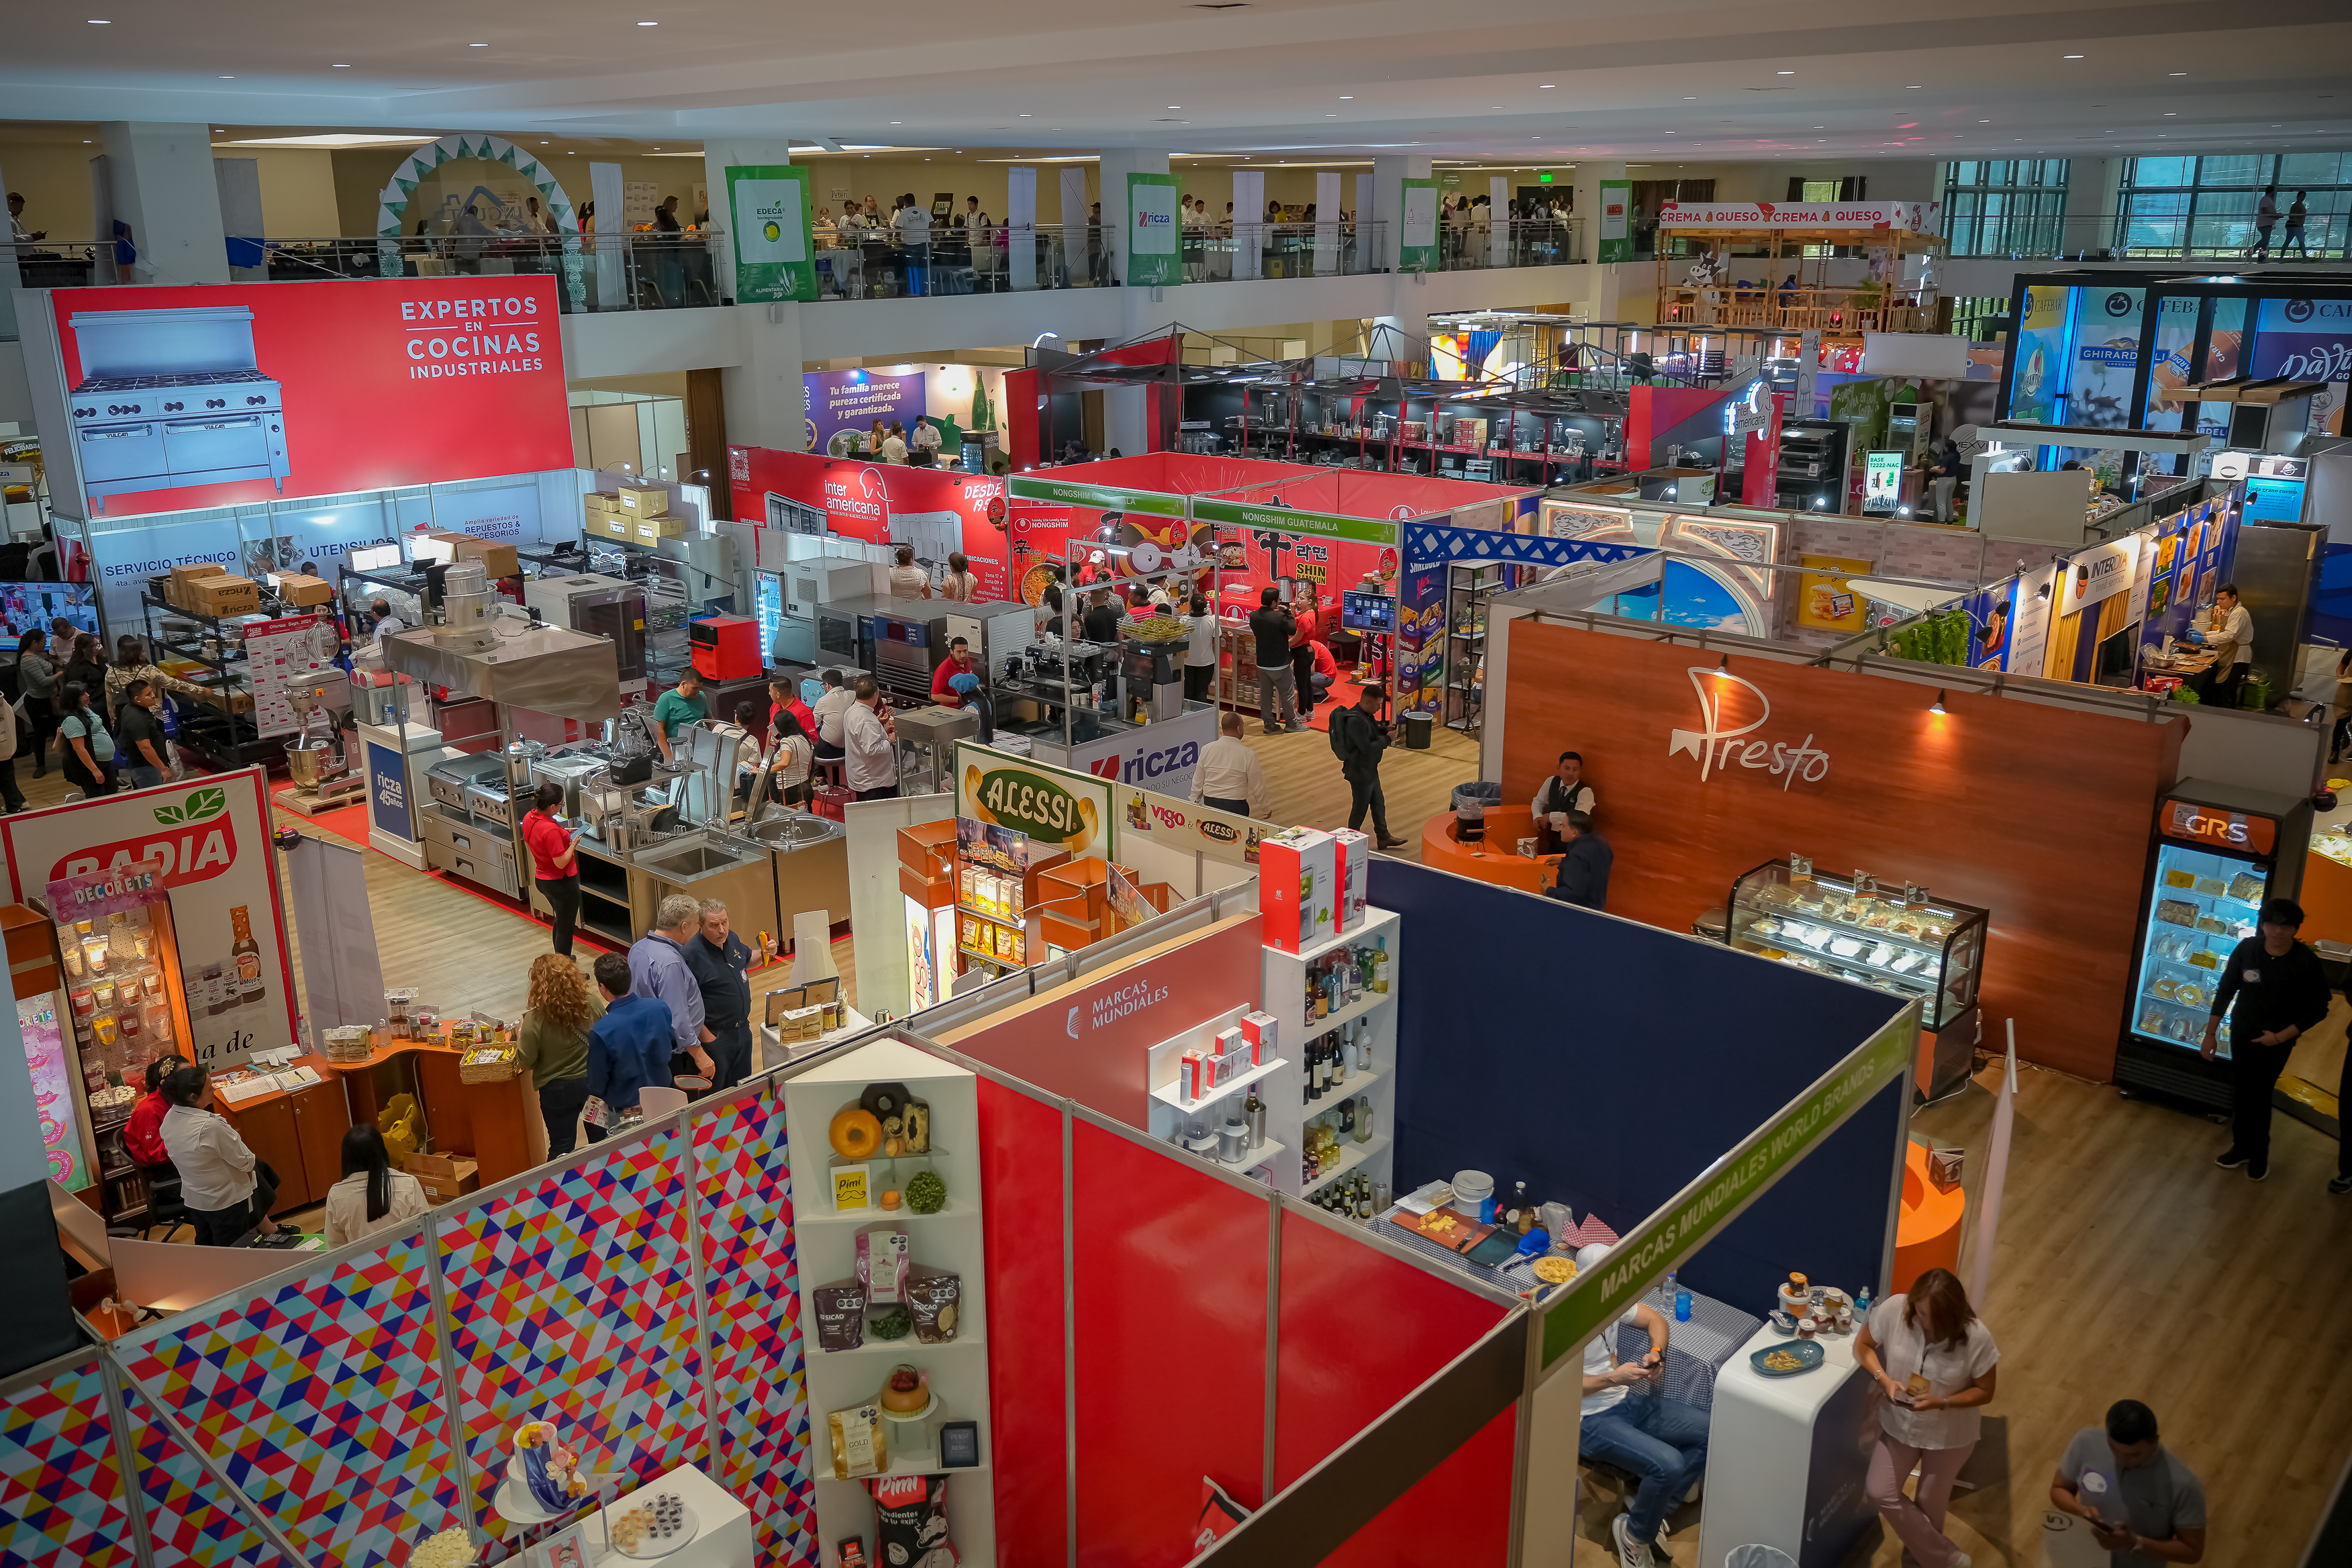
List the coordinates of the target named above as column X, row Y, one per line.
column 1548, row 842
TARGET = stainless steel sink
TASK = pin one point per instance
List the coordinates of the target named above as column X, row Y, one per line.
column 690, row 861
column 790, row 833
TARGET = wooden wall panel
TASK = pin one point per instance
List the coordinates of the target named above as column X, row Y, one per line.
column 2039, row 813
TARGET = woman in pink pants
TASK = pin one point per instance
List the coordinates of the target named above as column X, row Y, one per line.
column 1935, row 1362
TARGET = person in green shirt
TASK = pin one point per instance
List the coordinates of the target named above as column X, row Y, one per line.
column 552, row 1047
column 683, row 704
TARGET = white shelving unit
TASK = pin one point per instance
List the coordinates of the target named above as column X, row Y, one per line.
column 1288, row 1110
column 1169, row 1114
column 952, row 1239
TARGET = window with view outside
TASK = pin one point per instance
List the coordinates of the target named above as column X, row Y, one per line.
column 2005, row 206
column 2205, row 205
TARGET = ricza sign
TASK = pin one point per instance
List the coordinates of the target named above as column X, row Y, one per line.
column 1148, row 765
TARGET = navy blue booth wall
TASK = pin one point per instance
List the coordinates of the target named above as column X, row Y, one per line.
column 1607, row 1064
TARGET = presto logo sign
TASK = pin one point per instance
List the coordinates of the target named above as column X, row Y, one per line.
column 1718, row 747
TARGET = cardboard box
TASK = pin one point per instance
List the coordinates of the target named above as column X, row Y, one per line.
column 607, row 502
column 1258, row 1029
column 445, row 1177
column 497, row 560
column 652, row 530
column 1355, row 859
column 643, row 500
column 293, row 588
column 1298, row 887
column 182, row 576
column 224, row 595
column 609, row 525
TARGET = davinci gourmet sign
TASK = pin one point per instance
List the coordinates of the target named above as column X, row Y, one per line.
column 1719, row 749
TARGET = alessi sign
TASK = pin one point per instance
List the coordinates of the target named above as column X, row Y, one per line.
column 2223, row 829
column 1060, row 810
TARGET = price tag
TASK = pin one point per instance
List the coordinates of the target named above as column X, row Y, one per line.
column 1801, row 870
column 1865, row 886
column 1915, row 897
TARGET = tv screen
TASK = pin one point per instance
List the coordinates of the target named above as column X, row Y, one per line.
column 31, row 607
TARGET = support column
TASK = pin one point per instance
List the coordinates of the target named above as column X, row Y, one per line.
column 1118, row 163
column 1388, row 175
column 718, row 152
column 162, row 186
column 1602, row 304
column 2093, row 194
column 763, row 394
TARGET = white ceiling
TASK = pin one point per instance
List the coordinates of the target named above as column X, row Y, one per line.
column 1523, row 80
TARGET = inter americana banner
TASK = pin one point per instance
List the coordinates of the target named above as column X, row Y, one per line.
column 211, row 836
column 340, row 386
column 773, row 254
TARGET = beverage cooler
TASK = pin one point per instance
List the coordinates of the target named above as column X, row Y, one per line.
column 2216, row 853
column 98, row 995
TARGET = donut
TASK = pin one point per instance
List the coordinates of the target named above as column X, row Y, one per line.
column 855, row 1134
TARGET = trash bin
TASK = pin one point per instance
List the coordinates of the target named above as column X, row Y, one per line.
column 1470, row 804
column 1416, row 729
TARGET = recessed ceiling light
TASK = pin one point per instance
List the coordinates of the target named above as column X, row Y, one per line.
column 1345, row 96
column 478, row 46
column 2171, row 113
column 898, row 122
column 1025, row 117
column 100, row 22
column 1549, row 86
column 339, row 68
column 2070, row 56
column 86, row 142
column 1175, row 106
column 2180, row 73
column 1788, row 73
column 649, row 24
column 1984, row 122
column 1330, row 117
column 1912, row 87
column 229, row 78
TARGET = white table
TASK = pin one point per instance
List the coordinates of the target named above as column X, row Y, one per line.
column 1788, row 1456
column 725, row 1536
column 773, row 1052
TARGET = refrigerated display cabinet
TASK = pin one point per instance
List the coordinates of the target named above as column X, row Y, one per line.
column 2216, row 854
column 1886, row 935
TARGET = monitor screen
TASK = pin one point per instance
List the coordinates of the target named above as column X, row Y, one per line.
column 1367, row 612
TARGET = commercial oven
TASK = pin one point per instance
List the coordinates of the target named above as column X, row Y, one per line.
column 609, row 607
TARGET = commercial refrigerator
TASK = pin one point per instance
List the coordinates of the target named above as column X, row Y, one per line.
column 2217, row 852
column 99, row 995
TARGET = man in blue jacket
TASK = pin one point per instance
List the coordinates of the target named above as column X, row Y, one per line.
column 1583, row 865
column 629, row 1046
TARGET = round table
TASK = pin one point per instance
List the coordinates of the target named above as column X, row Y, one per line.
column 1496, row 859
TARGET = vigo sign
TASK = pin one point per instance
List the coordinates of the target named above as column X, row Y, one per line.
column 1718, row 749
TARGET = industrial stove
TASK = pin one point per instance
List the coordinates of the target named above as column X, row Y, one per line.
column 173, row 398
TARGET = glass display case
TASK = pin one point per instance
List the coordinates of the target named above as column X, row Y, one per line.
column 119, row 1005
column 1926, row 948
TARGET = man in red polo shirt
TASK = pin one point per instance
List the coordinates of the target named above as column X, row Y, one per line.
column 784, row 693
column 958, row 661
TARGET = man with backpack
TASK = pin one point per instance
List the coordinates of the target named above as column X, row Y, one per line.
column 1357, row 739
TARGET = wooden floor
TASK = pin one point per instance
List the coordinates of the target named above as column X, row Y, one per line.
column 2128, row 1265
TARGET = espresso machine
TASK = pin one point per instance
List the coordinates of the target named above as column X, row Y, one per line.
column 1152, row 678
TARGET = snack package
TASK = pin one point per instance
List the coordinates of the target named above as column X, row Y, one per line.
column 935, row 1297
column 911, row 1522
column 850, row 1553
column 840, row 1315
column 882, row 1266
column 861, row 1446
column 1220, row 1517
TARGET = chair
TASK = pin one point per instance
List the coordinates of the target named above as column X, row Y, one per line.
column 657, row 1101
column 1624, row 1481
column 164, row 1206
column 827, row 771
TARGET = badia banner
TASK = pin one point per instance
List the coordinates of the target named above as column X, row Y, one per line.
column 774, row 259
column 1152, row 259
column 170, row 398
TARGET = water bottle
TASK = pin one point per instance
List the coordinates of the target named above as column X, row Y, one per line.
column 1666, row 1290
column 1682, row 1305
column 1861, row 1305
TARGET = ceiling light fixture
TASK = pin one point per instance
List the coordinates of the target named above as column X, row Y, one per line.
column 100, row 22
column 649, row 24
column 2070, row 56
column 339, row 68
column 1788, row 73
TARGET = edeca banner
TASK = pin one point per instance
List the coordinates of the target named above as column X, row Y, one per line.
column 774, row 253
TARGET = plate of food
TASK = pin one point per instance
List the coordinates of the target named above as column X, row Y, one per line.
column 1788, row 1360
column 654, row 1527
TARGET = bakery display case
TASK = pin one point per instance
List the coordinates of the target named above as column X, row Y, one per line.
column 1891, row 936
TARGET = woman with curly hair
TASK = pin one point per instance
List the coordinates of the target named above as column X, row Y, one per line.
column 554, row 1044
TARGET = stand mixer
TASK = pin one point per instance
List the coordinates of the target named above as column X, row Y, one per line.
column 317, row 758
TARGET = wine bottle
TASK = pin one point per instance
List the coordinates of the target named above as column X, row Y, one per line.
column 1380, row 968
column 1338, row 1058
column 1346, row 1117
column 1363, row 1119
column 1314, row 1072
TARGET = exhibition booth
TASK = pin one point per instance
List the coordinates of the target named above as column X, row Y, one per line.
column 895, row 1291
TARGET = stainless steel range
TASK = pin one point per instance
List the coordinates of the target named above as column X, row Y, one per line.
column 173, row 398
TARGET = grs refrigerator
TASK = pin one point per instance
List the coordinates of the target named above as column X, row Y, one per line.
column 2217, row 852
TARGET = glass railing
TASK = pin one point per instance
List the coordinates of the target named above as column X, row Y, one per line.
column 879, row 263
column 1514, row 242
column 2159, row 236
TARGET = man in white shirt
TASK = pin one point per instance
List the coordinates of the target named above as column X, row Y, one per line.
column 1228, row 777
column 827, row 711
column 1628, row 1423
column 2232, row 642
column 1563, row 792
column 894, row 445
column 872, row 770
column 914, row 226
column 925, row 443
column 386, row 622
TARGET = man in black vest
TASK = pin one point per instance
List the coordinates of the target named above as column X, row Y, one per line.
column 1563, row 792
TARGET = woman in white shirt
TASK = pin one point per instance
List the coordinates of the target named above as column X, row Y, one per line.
column 227, row 1190
column 371, row 1196
column 908, row 580
column 963, row 583
column 1937, row 1363
column 790, row 774
column 1199, row 651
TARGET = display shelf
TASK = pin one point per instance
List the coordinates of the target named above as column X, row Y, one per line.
column 1351, row 1156
column 1837, row 928
column 1945, row 979
column 1376, row 923
column 953, row 1239
column 990, row 958
column 1264, row 1154
column 1168, row 1094
column 1350, row 1013
column 1012, row 921
column 902, row 1350
column 1357, row 1083
column 1764, row 946
column 804, row 1214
